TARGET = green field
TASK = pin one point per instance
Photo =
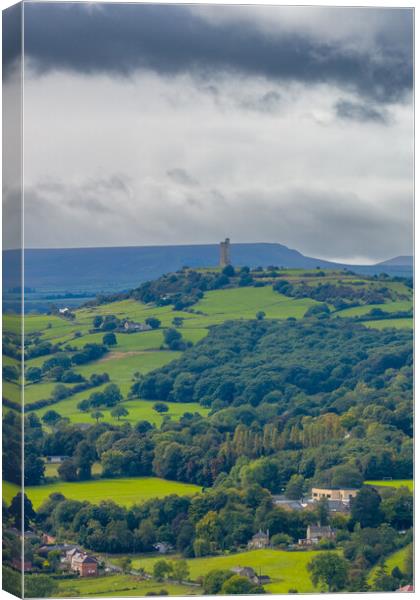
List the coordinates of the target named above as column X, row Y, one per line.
column 12, row 391
column 143, row 352
column 39, row 391
column 357, row 311
column 121, row 586
column 386, row 323
column 9, row 490
column 397, row 559
column 139, row 410
column 123, row 491
column 287, row 570
column 244, row 303
column 396, row 483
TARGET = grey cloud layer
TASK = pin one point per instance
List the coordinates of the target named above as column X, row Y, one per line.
column 172, row 39
column 174, row 124
column 300, row 217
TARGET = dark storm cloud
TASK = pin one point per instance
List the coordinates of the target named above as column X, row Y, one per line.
column 118, row 39
column 11, row 37
column 354, row 111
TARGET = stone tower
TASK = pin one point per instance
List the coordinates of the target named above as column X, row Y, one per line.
column 224, row 253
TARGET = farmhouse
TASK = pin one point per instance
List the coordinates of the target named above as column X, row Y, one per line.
column 342, row 494
column 259, row 540
column 315, row 533
column 82, row 563
column 85, row 565
column 132, row 326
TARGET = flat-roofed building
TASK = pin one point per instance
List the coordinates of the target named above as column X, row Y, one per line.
column 341, row 494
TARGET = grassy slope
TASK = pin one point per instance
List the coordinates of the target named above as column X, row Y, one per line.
column 390, row 307
column 286, row 569
column 142, row 351
column 396, row 559
column 396, row 483
column 121, row 585
column 123, row 491
column 139, row 410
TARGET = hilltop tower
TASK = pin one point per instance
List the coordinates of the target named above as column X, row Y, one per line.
column 224, row 253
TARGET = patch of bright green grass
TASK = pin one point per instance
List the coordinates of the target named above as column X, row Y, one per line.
column 40, row 391
column 121, row 586
column 386, row 323
column 122, row 491
column 246, row 302
column 396, row 483
column 357, row 311
column 397, row 559
column 287, row 570
column 12, row 324
column 9, row 491
column 122, row 366
column 11, row 362
column 139, row 410
column 12, row 391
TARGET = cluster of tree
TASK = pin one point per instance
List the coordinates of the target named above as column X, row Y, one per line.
column 378, row 314
column 12, row 346
column 10, row 373
column 89, row 353
column 174, row 341
column 219, row 581
column 340, row 295
column 276, row 362
column 106, row 398
column 176, row 570
column 106, row 323
column 186, row 287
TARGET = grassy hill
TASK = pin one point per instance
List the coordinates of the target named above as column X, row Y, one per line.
column 397, row 559
column 143, row 352
column 287, row 570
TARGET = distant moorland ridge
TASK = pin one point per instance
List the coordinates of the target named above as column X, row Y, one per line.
column 118, row 268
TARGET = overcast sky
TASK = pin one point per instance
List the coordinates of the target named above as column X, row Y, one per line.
column 178, row 124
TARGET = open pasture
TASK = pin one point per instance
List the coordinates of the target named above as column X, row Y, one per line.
column 125, row 492
column 390, row 307
column 397, row 559
column 287, row 570
column 122, row 366
column 244, row 303
column 395, row 483
column 121, row 586
column 387, row 323
column 11, row 391
column 139, row 410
